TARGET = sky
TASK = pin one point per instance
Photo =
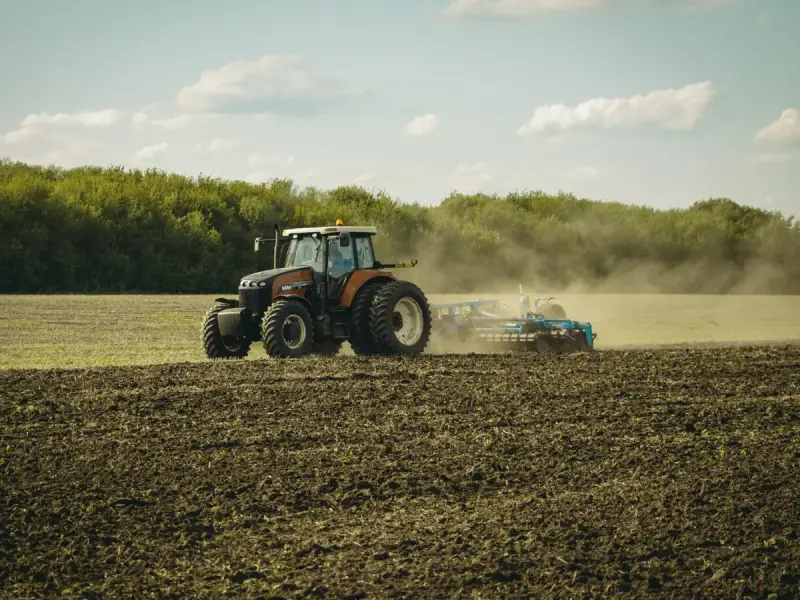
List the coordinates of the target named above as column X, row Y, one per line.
column 654, row 102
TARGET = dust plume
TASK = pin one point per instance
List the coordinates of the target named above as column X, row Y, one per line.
column 637, row 287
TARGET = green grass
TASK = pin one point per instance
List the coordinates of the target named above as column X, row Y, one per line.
column 80, row 331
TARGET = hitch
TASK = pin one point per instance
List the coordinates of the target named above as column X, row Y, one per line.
column 412, row 264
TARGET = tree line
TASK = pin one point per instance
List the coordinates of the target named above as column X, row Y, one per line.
column 106, row 230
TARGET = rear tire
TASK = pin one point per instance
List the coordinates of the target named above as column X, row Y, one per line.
column 361, row 340
column 215, row 345
column 400, row 319
column 287, row 330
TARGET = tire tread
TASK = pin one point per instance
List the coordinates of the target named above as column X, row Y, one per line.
column 380, row 324
column 212, row 338
column 361, row 339
column 272, row 325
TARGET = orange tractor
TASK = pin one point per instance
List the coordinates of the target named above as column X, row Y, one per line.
column 326, row 288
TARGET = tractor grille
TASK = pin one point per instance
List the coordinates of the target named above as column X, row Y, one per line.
column 255, row 300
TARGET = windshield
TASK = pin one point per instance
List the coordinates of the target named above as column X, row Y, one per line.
column 305, row 252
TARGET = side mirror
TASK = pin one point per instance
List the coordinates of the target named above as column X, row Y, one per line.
column 344, row 239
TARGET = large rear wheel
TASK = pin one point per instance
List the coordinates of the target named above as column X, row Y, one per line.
column 287, row 330
column 361, row 340
column 217, row 346
column 400, row 319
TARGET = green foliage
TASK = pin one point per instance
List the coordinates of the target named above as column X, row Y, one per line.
column 96, row 229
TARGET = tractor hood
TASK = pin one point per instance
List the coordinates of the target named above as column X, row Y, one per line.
column 265, row 278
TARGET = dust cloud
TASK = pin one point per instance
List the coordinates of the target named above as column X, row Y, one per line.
column 631, row 302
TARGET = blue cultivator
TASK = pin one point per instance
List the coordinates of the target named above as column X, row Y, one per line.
column 545, row 329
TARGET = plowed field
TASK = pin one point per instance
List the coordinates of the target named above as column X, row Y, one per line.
column 671, row 473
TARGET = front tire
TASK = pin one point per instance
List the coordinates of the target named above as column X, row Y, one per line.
column 217, row 346
column 400, row 319
column 287, row 330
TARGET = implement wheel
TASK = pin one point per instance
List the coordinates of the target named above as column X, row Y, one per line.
column 287, row 330
column 554, row 311
column 400, row 319
column 217, row 346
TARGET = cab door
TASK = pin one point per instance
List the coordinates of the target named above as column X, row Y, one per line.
column 341, row 262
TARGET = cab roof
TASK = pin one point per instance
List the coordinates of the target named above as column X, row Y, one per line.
column 332, row 229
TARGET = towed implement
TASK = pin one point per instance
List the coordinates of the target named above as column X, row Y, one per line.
column 326, row 287
column 488, row 322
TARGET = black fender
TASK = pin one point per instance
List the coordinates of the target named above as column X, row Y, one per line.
column 227, row 301
column 297, row 298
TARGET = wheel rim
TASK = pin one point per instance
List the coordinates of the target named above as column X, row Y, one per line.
column 407, row 321
column 294, row 331
column 232, row 344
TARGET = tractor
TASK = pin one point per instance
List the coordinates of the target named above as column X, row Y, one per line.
column 326, row 287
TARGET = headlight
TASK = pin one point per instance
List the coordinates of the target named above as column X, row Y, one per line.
column 262, row 284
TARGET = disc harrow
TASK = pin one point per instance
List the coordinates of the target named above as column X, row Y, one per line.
column 488, row 322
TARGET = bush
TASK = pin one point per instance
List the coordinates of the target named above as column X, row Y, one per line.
column 115, row 230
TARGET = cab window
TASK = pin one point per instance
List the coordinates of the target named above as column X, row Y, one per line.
column 366, row 257
column 305, row 252
column 340, row 260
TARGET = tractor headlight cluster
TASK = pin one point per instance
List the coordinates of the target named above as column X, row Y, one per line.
column 246, row 283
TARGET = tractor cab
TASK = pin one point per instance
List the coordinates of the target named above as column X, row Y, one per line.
column 332, row 254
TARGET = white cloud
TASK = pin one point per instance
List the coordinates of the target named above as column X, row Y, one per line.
column 302, row 177
column 274, row 83
column 218, row 145
column 143, row 118
column 768, row 159
column 701, row 4
column 471, row 177
column 675, row 109
column 89, row 118
column 262, row 159
column 70, row 155
column 517, row 8
column 520, row 9
column 177, row 122
column 44, row 124
column 364, row 178
column 149, row 152
column 786, row 128
column 20, row 135
column 422, row 125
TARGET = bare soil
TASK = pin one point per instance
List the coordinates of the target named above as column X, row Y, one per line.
column 669, row 473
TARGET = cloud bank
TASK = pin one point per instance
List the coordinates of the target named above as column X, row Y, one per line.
column 276, row 83
column 673, row 109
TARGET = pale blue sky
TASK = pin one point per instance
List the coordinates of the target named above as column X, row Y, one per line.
column 124, row 79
